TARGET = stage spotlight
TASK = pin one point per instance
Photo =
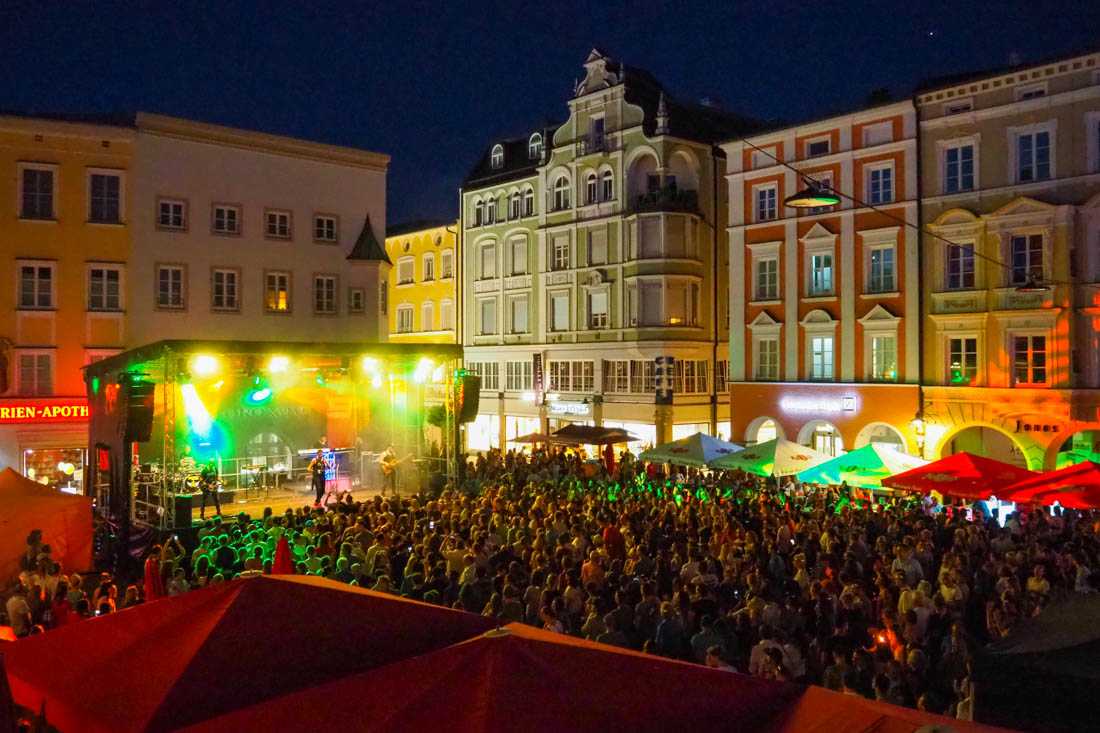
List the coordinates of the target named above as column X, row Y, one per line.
column 204, row 365
column 278, row 364
column 370, row 364
column 423, row 371
column 376, row 381
column 259, row 393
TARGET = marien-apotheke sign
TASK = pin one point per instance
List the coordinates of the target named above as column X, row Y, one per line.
column 47, row 410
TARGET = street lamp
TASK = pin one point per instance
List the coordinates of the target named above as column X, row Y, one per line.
column 815, row 194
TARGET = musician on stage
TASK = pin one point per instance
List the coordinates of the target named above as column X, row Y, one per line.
column 389, row 463
column 187, row 462
column 208, row 482
column 317, row 469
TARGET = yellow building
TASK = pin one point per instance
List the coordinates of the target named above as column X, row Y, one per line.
column 422, row 290
column 64, row 243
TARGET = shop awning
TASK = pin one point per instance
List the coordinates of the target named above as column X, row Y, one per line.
column 864, row 467
column 532, row 438
column 591, row 435
column 695, row 450
column 962, row 475
column 778, row 457
column 1076, row 487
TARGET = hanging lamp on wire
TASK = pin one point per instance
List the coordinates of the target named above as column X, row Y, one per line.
column 815, row 194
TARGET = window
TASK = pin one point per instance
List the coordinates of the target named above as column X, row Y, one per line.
column 489, row 371
column 227, row 219
column 825, row 181
column 37, row 193
column 821, row 274
column 325, row 228
column 681, row 306
column 597, row 309
column 446, row 315
column 1029, row 360
column 597, row 246
column 277, row 292
column 496, row 157
column 356, row 300
column 607, row 186
column 767, row 279
column 518, row 315
column 643, row 376
column 171, row 214
column 616, row 376
column 405, row 267
column 529, row 202
column 1027, row 259
column 519, row 255
column 324, row 294
column 648, row 304
column 884, row 358
column 767, row 360
column 515, row 206
column 766, row 203
column 490, row 211
column 1031, row 92
column 534, row 147
column 591, row 189
column 596, row 133
column 821, row 357
column 559, row 311
column 488, row 311
column 519, row 376
column 958, row 107
column 960, row 266
column 447, row 264
column 427, row 316
column 721, row 372
column 560, row 258
column 1033, row 156
column 429, row 267
column 815, row 148
column 878, row 133
column 383, row 298
column 881, row 276
column 572, row 376
column 962, row 360
column 35, row 375
column 223, row 292
column 404, row 318
column 36, row 286
column 170, row 285
column 690, row 377
column 104, row 288
column 561, row 193
column 478, row 215
column 880, row 185
column 278, row 224
column 488, row 261
column 958, row 169
column 105, row 198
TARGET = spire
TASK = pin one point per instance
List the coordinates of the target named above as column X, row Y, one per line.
column 662, row 115
column 367, row 247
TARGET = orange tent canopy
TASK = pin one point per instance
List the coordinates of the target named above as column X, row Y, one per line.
column 1076, row 487
column 962, row 475
column 65, row 521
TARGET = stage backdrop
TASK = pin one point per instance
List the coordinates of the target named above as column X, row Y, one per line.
column 65, row 521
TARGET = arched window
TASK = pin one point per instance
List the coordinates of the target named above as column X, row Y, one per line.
column 607, row 181
column 590, row 189
column 529, row 202
column 514, row 206
column 478, row 213
column 490, row 211
column 496, row 157
column 561, row 193
column 534, row 146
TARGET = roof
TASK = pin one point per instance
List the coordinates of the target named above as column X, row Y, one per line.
column 367, row 248
column 416, row 225
column 517, row 163
column 116, row 119
column 950, row 80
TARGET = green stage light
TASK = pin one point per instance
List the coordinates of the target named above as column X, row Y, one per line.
column 320, row 379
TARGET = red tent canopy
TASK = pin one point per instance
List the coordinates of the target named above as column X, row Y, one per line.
column 180, row 660
column 525, row 679
column 65, row 521
column 962, row 475
column 1076, row 487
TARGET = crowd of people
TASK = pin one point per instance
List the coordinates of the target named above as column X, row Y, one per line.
column 884, row 598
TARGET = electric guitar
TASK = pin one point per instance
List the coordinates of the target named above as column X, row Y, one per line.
column 389, row 465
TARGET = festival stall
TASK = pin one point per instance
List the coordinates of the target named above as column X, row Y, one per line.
column 697, row 450
column 961, row 475
column 864, row 467
column 65, row 521
column 777, row 457
column 1075, row 487
column 180, row 660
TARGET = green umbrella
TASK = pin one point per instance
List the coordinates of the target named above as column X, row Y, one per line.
column 864, row 467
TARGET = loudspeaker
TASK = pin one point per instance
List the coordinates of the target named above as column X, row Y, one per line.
column 140, row 399
column 469, row 394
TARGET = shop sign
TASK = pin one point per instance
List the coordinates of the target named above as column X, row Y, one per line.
column 43, row 411
column 818, row 405
column 567, row 408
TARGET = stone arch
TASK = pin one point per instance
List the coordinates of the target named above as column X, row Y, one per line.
column 639, row 168
column 805, row 434
column 871, row 430
column 752, row 430
column 1050, row 455
column 685, row 166
column 1033, row 454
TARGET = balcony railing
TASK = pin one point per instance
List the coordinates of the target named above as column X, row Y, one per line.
column 668, row 199
column 601, row 144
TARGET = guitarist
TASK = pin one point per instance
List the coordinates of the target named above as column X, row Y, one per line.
column 389, row 462
column 208, row 481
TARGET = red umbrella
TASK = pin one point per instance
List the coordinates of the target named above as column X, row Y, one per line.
column 962, row 475
column 1076, row 487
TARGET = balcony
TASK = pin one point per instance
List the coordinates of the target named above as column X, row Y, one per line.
column 668, row 199
column 590, row 144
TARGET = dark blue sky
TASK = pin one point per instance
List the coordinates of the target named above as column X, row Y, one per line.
column 432, row 83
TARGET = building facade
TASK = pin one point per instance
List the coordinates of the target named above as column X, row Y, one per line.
column 423, row 282
column 65, row 220
column 827, row 299
column 590, row 249
column 1011, row 252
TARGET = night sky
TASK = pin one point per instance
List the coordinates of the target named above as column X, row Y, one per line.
column 431, row 84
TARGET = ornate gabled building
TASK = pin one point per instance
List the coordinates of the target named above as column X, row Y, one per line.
column 590, row 249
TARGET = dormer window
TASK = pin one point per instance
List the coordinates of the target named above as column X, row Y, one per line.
column 534, row 147
column 496, row 157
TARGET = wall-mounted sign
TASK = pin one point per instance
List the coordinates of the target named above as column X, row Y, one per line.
column 567, row 408
column 822, row 405
column 31, row 411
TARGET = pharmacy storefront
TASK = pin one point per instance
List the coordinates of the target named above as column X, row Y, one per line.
column 46, row 439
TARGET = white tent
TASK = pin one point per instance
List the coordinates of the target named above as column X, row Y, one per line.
column 776, row 457
column 695, row 450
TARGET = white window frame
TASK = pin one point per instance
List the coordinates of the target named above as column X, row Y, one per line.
column 561, row 192
column 944, row 147
column 591, row 188
column 404, row 318
column 519, row 376
column 357, row 300
column 519, row 243
column 162, row 305
column 811, row 358
column 770, row 191
column 54, row 170
column 482, row 329
column 496, row 157
column 598, row 321
column 811, row 291
column 772, row 293
column 879, row 288
column 427, row 315
column 869, row 170
column 428, row 265
column 616, row 376
column 407, row 263
column 38, row 290
column 276, row 217
column 1010, row 258
column 874, row 373
column 172, row 203
column 118, row 173
column 534, row 146
column 490, row 210
column 593, row 256
column 446, row 315
column 877, row 240
column 282, row 278
column 482, row 271
column 236, row 300
column 958, row 106
column 515, row 205
column 326, row 290
column 607, row 185
column 21, row 389
column 321, row 228
column 524, row 327
column 528, row 201
column 1014, row 135
column 551, row 323
column 758, row 341
column 876, row 128
column 219, row 207
column 828, row 139
column 962, row 245
column 1026, row 92
column 1048, row 363
column 446, row 264
column 561, row 257
column 90, row 270
column 979, row 348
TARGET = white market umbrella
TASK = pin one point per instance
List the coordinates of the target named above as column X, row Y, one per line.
column 778, row 457
column 695, row 450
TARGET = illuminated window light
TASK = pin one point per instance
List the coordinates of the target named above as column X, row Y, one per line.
column 204, row 365
column 278, row 364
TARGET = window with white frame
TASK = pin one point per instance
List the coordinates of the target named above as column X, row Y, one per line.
column 224, row 288
column 1031, row 91
column 105, row 288
column 1033, row 155
column 36, row 189
column 1029, row 361
column 170, row 287
column 488, row 260
column 591, row 189
column 821, row 274
column 518, row 246
column 325, row 228
column 1026, row 254
column 404, row 318
column 572, row 376
column 487, row 316
column 559, row 311
column 529, row 202
column 607, row 186
column 517, row 307
column 821, row 357
column 478, row 213
column 643, row 376
column 277, row 292
column 105, row 197
column 880, row 184
column 357, row 300
column 515, row 205
column 519, row 376
column 881, row 271
column 597, row 246
column 763, row 158
column 958, row 107
column 35, row 374
column 649, row 304
column 958, row 168
column 721, row 375
column 489, row 371
column 616, row 376
column 681, row 304
column 561, row 193
column 820, row 146
column 879, row 133
column 447, row 264
column 534, row 146
column 36, row 284
column 825, row 182
column 960, row 266
column 277, row 224
column 766, row 202
column 496, row 157
column 429, row 266
column 597, row 309
column 689, row 376
column 171, row 214
column 884, row 358
column 427, row 316
column 766, row 359
column 446, row 315
column 767, row 279
column 226, row 219
column 324, row 294
column 559, row 258
column 962, row 360
column 406, row 267
column 490, row 210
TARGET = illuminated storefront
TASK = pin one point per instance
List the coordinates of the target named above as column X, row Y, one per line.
column 46, row 439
